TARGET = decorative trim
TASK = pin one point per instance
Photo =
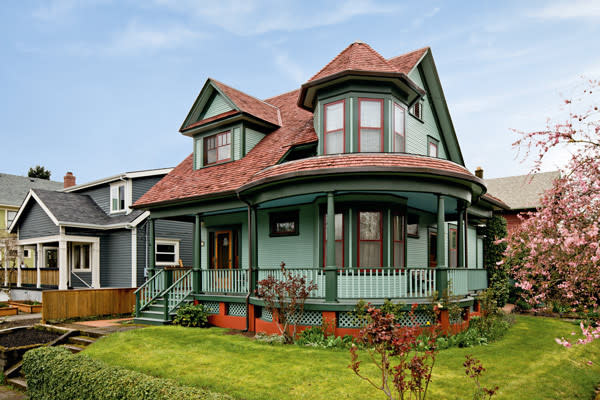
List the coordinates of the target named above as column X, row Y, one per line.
column 134, row 257
column 167, row 241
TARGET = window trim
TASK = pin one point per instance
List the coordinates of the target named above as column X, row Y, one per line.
column 166, row 241
column 343, row 240
column 89, row 268
column 325, row 132
column 402, row 240
column 6, row 223
column 46, row 250
column 126, row 202
column 216, row 136
column 284, row 216
column 452, row 227
column 26, row 253
column 360, row 100
column 359, row 240
column 396, row 104
column 412, row 110
column 433, row 141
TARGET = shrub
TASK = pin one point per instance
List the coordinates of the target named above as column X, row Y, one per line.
column 191, row 315
column 317, row 336
column 53, row 373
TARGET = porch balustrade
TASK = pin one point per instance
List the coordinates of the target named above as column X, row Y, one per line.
column 47, row 277
column 227, row 281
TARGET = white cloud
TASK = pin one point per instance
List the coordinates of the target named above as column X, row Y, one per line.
column 290, row 68
column 252, row 17
column 137, row 37
column 58, row 10
column 569, row 9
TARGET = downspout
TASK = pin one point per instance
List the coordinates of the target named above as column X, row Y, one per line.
column 250, row 245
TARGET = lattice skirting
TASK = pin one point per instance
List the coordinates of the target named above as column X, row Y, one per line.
column 266, row 315
column 211, row 307
column 309, row 318
column 236, row 309
column 348, row 320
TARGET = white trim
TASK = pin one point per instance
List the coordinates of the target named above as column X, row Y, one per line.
column 44, row 261
column 139, row 219
column 130, row 175
column 167, row 241
column 27, row 253
column 134, row 257
column 6, row 211
column 89, row 268
column 25, row 202
column 126, row 201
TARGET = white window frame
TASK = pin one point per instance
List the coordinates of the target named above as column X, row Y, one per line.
column 26, row 253
column 175, row 243
column 396, row 103
column 127, row 193
column 89, row 268
column 46, row 249
column 6, row 224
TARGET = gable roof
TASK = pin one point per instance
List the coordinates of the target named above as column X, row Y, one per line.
column 523, row 191
column 358, row 56
column 240, row 101
column 14, row 188
column 125, row 175
column 406, row 62
column 76, row 210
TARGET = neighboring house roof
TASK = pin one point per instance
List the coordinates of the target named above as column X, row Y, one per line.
column 523, row 191
column 295, row 127
column 14, row 188
column 125, row 175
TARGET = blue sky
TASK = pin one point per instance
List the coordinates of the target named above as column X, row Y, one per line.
column 100, row 87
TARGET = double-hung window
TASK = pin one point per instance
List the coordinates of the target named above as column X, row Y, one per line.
column 399, row 134
column 398, row 240
column 339, row 240
column 217, row 148
column 167, row 252
column 10, row 217
column 81, row 256
column 370, row 243
column 370, row 121
column 334, row 130
column 117, row 197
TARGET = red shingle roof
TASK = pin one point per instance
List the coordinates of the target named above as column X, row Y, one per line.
column 250, row 105
column 406, row 62
column 356, row 57
column 295, row 127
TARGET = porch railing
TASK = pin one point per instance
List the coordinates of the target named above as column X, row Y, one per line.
column 477, row 279
column 386, row 283
column 315, row 275
column 178, row 291
column 228, row 281
column 149, row 291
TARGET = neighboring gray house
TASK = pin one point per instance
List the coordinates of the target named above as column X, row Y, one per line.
column 88, row 236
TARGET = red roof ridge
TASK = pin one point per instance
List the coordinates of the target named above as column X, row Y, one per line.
column 249, row 95
column 423, row 49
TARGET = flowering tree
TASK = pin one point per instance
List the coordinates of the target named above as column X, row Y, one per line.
column 555, row 253
column 285, row 299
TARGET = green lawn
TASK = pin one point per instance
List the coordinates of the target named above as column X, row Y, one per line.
column 526, row 364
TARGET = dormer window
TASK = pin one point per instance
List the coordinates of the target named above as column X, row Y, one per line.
column 399, row 129
column 335, row 127
column 217, row 148
column 432, row 147
column 370, row 121
column 117, row 197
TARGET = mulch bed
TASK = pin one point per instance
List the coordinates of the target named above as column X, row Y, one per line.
column 26, row 337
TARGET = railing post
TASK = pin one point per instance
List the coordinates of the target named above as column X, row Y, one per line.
column 39, row 259
column 253, row 248
column 196, row 269
column 330, row 267
column 137, row 305
column 151, row 249
column 168, row 282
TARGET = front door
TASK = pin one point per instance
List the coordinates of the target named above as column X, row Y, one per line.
column 432, row 248
column 223, row 250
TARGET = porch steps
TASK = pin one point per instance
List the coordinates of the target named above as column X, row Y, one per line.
column 154, row 314
column 18, row 382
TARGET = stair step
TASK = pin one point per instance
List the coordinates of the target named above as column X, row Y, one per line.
column 18, row 382
column 81, row 340
column 73, row 348
column 150, row 321
column 14, row 370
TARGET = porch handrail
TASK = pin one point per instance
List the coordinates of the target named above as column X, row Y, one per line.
column 150, row 290
column 231, row 281
column 386, row 282
column 316, row 275
column 175, row 294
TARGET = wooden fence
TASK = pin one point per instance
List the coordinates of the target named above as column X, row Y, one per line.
column 48, row 277
column 76, row 303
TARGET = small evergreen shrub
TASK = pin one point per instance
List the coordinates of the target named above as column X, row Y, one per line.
column 191, row 315
column 54, row 373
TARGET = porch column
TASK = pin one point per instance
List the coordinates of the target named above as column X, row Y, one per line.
column 253, row 248
column 151, row 248
column 330, row 267
column 19, row 262
column 63, row 266
column 460, row 232
column 441, row 233
column 197, row 267
column 5, row 259
column 95, row 249
column 39, row 263
column 466, row 223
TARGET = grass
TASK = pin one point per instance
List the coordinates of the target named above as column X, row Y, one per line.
column 526, row 364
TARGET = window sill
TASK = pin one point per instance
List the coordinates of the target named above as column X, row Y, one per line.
column 81, row 270
column 215, row 164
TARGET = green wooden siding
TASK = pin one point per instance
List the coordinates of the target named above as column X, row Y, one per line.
column 472, row 247
column 236, row 142
column 2, row 219
column 416, row 250
column 417, row 131
column 252, row 139
column 479, row 252
column 215, row 106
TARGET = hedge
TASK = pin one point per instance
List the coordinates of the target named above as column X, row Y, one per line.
column 54, row 373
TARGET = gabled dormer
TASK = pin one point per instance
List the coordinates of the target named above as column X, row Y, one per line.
column 226, row 124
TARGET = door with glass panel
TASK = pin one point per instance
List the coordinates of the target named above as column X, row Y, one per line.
column 223, row 259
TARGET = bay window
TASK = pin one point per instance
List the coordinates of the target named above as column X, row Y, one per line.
column 217, row 148
column 398, row 240
column 370, row 239
column 370, row 121
column 334, row 127
column 339, row 240
column 399, row 134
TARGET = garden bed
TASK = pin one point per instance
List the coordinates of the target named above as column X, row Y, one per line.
column 7, row 309
column 14, row 342
column 27, row 306
column 248, row 369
